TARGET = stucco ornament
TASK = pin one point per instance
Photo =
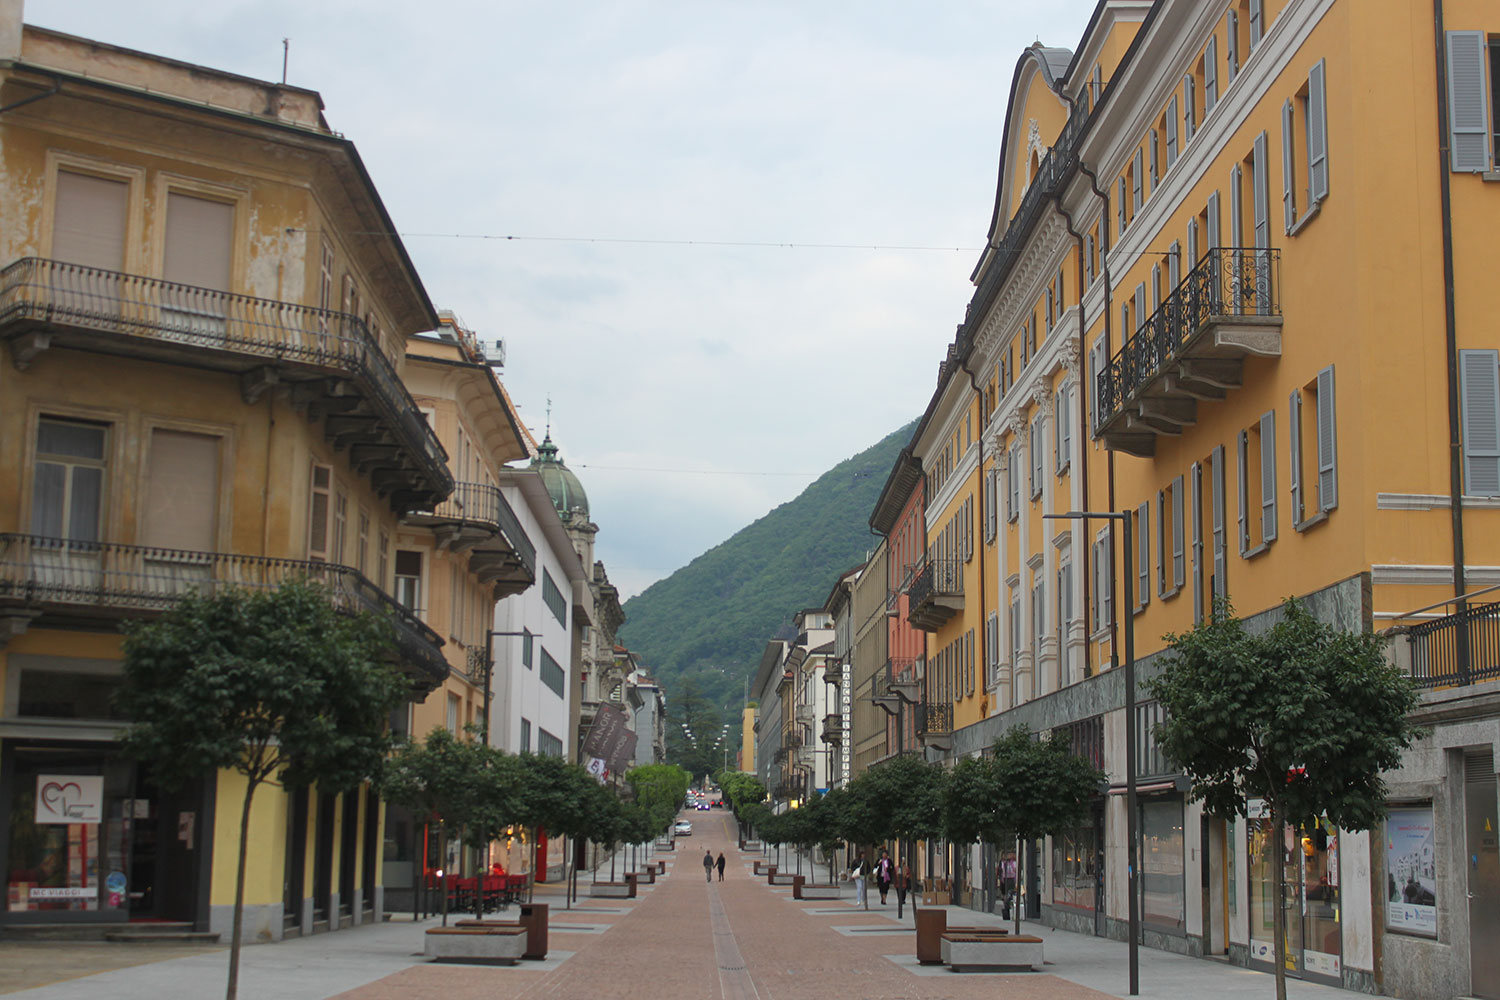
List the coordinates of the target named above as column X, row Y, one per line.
column 1035, row 149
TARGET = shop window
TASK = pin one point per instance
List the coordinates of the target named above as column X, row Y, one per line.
column 1162, row 892
column 1310, row 862
column 1076, row 868
column 1411, row 871
column 67, row 694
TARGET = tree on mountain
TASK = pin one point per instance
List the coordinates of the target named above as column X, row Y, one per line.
column 693, row 724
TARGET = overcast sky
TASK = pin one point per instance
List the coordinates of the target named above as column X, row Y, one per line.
column 589, row 125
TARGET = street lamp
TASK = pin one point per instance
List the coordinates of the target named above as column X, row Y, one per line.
column 1131, row 858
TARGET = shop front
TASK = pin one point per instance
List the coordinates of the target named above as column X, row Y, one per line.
column 1310, row 863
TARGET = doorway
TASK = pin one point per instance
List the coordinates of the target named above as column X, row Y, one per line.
column 1482, row 827
column 1310, row 861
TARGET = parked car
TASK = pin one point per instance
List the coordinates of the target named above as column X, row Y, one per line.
column 682, row 829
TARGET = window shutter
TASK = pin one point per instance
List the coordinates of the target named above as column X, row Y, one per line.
column 1097, row 363
column 1174, row 266
column 199, row 242
column 1479, row 373
column 1210, row 75
column 1062, row 284
column 1140, row 305
column 1328, row 495
column 1120, row 214
column 1013, row 498
column 1243, row 441
column 1155, row 288
column 1155, row 159
column 1268, row 477
column 1179, row 512
column 1317, row 135
column 1036, row 454
column 1294, row 450
column 1171, row 131
column 1051, row 307
column 1192, row 243
column 1195, row 479
column 1038, row 618
column 1261, row 194
column 1088, row 257
column 89, row 221
column 1137, row 173
column 1468, row 102
column 1143, row 554
column 182, row 491
column 1213, row 221
column 1221, row 540
column 1236, row 207
column 1064, row 427
column 1288, row 170
column 1189, row 109
column 1257, row 22
column 1232, row 46
column 1107, row 572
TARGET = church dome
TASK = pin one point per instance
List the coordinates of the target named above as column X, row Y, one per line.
column 562, row 486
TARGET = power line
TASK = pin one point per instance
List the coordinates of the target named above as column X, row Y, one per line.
column 640, row 241
column 691, row 472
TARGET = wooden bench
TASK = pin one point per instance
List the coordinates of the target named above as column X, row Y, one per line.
column 612, row 890
column 828, row 890
column 931, row 924
column 781, row 878
column 533, row 920
column 661, row 867
column 764, row 868
column 646, row 876
column 501, row 944
column 990, row 952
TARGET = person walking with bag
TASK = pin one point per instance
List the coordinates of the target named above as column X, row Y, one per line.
column 884, row 874
column 708, row 866
column 860, row 871
column 720, row 866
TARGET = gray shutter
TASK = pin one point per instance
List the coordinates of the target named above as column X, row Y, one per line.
column 1120, row 214
column 1137, row 172
column 1174, row 266
column 1171, row 131
column 1161, row 543
column 1232, row 44
column 1213, row 221
column 1468, row 102
column 1096, row 609
column 1221, row 541
column 1479, row 376
column 1257, row 22
column 1328, row 487
column 1261, row 194
column 1243, row 443
column 1236, row 207
column 1268, row 477
column 1294, row 450
column 1317, row 135
column 1064, row 428
column 1143, row 554
column 1288, row 169
column 1192, row 243
column 1088, row 256
column 1210, row 75
column 1036, row 454
column 89, row 221
column 1155, row 159
column 1107, row 562
column 1189, row 109
column 1195, row 481
column 1155, row 288
column 1140, row 305
column 1179, row 513
column 1097, row 363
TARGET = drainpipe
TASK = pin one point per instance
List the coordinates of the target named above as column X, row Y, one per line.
column 1455, row 427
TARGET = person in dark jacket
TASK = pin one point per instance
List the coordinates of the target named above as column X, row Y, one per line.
column 720, row 865
column 885, row 874
column 708, row 866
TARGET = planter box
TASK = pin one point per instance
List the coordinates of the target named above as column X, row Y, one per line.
column 750, row 845
column 646, row 876
column 932, row 924
column 779, row 878
column 612, row 890
column 661, row 867
column 533, row 920
column 990, row 952
column 764, row 868
column 828, row 890
column 496, row 945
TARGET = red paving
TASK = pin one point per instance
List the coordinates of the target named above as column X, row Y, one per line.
column 665, row 948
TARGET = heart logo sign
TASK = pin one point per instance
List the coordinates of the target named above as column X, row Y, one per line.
column 69, row 798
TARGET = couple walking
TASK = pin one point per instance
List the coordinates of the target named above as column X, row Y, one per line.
column 709, row 864
column 885, row 874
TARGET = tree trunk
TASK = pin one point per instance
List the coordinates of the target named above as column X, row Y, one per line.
column 443, row 858
column 1278, row 854
column 231, row 991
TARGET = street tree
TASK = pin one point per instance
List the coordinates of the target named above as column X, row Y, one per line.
column 1303, row 716
column 901, row 799
column 1036, row 788
column 275, row 685
column 660, row 788
column 555, row 799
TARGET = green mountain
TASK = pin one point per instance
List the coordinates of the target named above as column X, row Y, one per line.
column 709, row 621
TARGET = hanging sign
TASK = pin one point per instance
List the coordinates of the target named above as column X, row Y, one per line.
column 69, row 798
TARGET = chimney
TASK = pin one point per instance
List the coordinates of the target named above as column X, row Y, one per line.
column 10, row 29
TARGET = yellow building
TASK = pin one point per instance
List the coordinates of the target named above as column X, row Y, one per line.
column 1236, row 288
column 202, row 385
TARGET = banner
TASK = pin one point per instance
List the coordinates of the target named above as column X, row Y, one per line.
column 69, row 798
column 1410, row 872
column 610, row 739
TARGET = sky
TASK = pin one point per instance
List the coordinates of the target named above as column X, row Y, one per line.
column 672, row 167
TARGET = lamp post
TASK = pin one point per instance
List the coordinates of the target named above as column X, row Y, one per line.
column 1131, row 850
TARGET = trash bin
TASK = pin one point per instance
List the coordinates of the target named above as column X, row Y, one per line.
column 931, row 923
column 534, row 919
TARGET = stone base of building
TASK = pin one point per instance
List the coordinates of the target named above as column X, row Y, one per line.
column 261, row 924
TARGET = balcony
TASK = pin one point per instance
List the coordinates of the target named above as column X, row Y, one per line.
column 936, row 594
column 935, row 724
column 1456, row 650
column 100, row 583
column 330, row 364
column 902, row 680
column 476, row 518
column 1192, row 349
column 833, row 729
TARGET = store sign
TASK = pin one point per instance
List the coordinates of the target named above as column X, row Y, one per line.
column 1411, row 872
column 69, row 798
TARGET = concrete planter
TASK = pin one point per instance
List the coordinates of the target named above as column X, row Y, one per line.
column 991, row 952
column 497, row 945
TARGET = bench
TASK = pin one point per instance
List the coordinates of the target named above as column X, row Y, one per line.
column 750, row 846
column 781, row 878
column 990, row 952
column 533, row 920
column 828, row 890
column 661, row 867
column 764, row 868
column 646, row 876
column 932, row 924
column 612, row 890
column 502, row 944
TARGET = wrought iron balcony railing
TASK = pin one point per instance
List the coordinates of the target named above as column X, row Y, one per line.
column 482, row 510
column 125, row 579
column 934, row 719
column 936, row 594
column 117, row 312
column 1457, row 650
column 1192, row 347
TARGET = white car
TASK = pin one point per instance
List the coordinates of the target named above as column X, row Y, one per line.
column 682, row 829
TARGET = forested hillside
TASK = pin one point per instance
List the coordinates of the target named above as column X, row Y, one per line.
column 710, row 619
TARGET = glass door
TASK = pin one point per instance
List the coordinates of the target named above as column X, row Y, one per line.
column 1310, row 863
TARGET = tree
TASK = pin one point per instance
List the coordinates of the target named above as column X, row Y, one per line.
column 902, row 799
column 559, row 797
column 693, row 724
column 659, row 788
column 272, row 684
column 1303, row 716
column 1036, row 788
column 741, row 789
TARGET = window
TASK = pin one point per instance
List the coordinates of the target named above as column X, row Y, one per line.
column 528, row 644
column 362, row 540
column 1309, row 109
column 1103, row 582
column 1479, row 378
column 1211, row 221
column 1317, row 441
column 1179, row 511
column 452, row 717
column 554, row 599
column 1038, row 616
column 548, row 745
column 1064, row 427
column 197, row 259
column 1209, row 580
column 1036, row 455
column 409, row 580
column 182, row 491
column 552, row 674
column 319, row 509
column 992, row 646
column 1170, row 126
column 525, row 735
column 1155, row 147
column 383, row 559
column 1142, row 528
column 1257, row 465
column 1014, row 650
column 1098, row 362
column 1064, row 616
column 67, row 487
column 1473, row 125
column 1210, row 75
column 991, row 522
column 340, row 525
column 1120, row 216
column 1174, row 266
column 1261, row 191
column 1137, row 176
column 89, row 221
column 1189, row 109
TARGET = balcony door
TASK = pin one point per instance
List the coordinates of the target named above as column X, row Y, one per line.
column 89, row 221
column 199, row 250
column 179, row 524
column 67, row 501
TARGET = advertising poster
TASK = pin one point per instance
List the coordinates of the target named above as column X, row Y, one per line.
column 69, row 798
column 1411, row 872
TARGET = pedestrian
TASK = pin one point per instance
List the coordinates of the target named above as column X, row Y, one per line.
column 903, row 883
column 884, row 874
column 721, row 866
column 708, row 866
column 860, row 872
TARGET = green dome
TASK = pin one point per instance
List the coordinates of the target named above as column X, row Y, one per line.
column 562, row 486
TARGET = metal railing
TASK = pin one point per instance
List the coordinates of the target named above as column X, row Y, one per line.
column 937, row 578
column 128, row 578
column 901, row 677
column 934, row 718
column 483, row 503
column 1228, row 281
column 1458, row 650
column 168, row 312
